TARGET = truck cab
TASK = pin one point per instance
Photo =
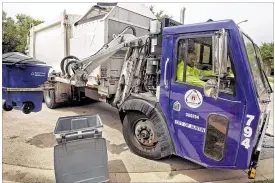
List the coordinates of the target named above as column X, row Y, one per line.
column 213, row 96
column 218, row 121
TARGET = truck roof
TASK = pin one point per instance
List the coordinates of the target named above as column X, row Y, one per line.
column 205, row 26
column 136, row 8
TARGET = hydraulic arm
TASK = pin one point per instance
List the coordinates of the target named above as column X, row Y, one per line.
column 76, row 71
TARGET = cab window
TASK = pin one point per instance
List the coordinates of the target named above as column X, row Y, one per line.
column 196, row 55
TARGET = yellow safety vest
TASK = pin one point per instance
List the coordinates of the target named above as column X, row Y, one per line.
column 192, row 74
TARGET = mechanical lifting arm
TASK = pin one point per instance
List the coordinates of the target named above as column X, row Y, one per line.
column 82, row 68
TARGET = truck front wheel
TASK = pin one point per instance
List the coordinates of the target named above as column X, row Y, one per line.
column 140, row 135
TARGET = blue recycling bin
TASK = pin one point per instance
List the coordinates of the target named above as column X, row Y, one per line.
column 24, row 74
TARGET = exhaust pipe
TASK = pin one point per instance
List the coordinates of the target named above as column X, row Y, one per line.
column 182, row 14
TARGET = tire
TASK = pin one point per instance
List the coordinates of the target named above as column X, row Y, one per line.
column 6, row 107
column 129, row 123
column 49, row 98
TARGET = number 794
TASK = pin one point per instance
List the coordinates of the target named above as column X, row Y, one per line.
column 247, row 131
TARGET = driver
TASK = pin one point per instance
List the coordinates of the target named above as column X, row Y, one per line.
column 193, row 74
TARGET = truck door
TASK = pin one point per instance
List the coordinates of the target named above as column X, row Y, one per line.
column 206, row 130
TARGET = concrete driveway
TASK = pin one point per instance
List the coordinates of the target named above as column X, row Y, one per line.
column 28, row 152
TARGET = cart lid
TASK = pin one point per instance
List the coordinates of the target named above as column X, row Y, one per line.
column 77, row 123
column 82, row 160
column 16, row 57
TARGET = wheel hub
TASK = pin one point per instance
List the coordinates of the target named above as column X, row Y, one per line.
column 144, row 132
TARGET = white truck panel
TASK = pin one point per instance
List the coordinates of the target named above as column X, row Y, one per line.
column 130, row 17
column 47, row 41
column 30, row 43
column 49, row 46
column 49, row 23
column 87, row 39
column 90, row 38
column 138, row 8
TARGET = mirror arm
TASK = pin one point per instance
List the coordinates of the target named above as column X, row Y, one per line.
column 219, row 74
column 219, row 52
column 222, row 52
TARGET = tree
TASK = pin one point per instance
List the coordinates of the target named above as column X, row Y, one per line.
column 24, row 24
column 267, row 53
column 15, row 33
column 10, row 36
column 159, row 14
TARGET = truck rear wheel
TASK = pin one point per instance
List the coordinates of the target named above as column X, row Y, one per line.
column 49, row 98
column 140, row 135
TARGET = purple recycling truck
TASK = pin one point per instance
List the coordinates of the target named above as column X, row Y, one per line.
column 197, row 91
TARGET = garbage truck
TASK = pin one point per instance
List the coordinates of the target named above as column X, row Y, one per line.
column 197, row 91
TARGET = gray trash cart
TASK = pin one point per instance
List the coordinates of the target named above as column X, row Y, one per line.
column 81, row 153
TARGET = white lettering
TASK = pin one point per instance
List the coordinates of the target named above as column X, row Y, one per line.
column 250, row 119
column 190, row 126
column 247, row 131
column 194, row 116
column 246, row 143
column 38, row 73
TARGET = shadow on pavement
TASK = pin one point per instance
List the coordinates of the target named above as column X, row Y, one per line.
column 116, row 149
column 176, row 163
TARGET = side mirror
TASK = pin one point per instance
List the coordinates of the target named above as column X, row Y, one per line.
column 210, row 88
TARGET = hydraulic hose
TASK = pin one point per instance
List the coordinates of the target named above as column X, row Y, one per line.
column 133, row 29
column 147, row 47
column 63, row 60
column 67, row 67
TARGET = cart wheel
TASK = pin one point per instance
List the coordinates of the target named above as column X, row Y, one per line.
column 27, row 108
column 6, row 107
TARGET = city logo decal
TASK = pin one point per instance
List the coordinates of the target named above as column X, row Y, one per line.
column 193, row 98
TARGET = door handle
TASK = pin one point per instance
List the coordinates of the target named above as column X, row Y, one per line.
column 165, row 70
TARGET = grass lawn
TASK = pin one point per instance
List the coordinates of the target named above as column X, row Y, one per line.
column 271, row 79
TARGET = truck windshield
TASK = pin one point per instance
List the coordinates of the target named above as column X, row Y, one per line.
column 255, row 68
column 266, row 82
